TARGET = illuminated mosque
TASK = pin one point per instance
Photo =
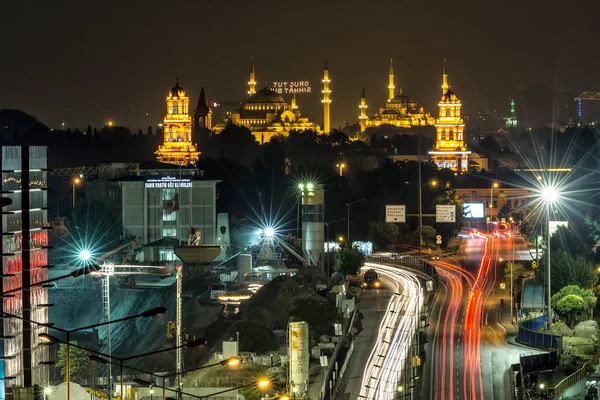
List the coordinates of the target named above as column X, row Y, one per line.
column 399, row 110
column 266, row 113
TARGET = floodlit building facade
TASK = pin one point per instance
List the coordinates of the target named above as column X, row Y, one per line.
column 399, row 110
column 267, row 113
column 24, row 224
column 450, row 149
column 177, row 147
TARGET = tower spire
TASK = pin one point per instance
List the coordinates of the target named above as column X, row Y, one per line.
column 326, row 100
column 391, row 85
column 252, row 80
column 362, row 117
column 445, row 85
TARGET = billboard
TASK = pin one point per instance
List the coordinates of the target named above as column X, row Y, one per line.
column 445, row 213
column 167, row 182
column 291, row 87
column 474, row 210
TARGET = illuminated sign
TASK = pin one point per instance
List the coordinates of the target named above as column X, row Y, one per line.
column 291, row 87
column 445, row 213
column 474, row 210
column 167, row 182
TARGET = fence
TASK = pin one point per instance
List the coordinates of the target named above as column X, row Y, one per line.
column 571, row 380
column 529, row 335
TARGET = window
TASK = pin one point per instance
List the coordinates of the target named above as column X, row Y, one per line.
column 166, row 255
column 168, row 194
column 169, row 215
column 169, row 232
column 175, row 108
column 447, row 113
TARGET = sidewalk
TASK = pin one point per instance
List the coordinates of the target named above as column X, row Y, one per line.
column 315, row 381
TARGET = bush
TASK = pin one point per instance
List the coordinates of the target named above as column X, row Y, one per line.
column 349, row 261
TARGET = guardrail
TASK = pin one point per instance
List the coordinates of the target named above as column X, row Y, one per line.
column 529, row 335
column 572, row 379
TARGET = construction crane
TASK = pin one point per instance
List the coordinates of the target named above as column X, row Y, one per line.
column 585, row 96
column 108, row 269
column 100, row 169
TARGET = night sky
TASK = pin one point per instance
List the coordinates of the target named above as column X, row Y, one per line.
column 83, row 62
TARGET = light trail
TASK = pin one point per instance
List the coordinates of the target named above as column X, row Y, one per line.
column 393, row 349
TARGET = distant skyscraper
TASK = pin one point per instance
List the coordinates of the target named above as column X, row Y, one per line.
column 177, row 147
column 450, row 149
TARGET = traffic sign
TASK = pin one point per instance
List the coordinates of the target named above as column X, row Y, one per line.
column 395, row 214
column 534, row 264
column 438, row 239
column 502, row 285
column 445, row 213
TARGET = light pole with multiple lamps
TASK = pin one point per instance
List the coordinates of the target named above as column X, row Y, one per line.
column 341, row 165
column 549, row 195
column 432, row 183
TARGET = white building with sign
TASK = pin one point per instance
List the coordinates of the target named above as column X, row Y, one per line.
column 160, row 204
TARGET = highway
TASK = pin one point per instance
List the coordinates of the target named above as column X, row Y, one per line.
column 388, row 368
column 468, row 357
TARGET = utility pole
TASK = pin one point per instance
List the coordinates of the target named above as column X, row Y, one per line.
column 420, row 197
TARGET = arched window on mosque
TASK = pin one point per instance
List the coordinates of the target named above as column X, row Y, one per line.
column 447, row 113
column 175, row 108
column 170, row 135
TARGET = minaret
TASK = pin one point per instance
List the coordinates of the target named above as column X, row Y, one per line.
column 362, row 118
column 252, row 80
column 294, row 105
column 445, row 85
column 391, row 86
column 326, row 100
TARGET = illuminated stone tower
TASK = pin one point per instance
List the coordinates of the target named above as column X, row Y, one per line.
column 294, row 105
column 391, row 85
column 450, row 149
column 177, row 147
column 326, row 100
column 252, row 80
column 362, row 118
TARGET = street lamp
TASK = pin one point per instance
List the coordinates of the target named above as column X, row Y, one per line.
column 328, row 247
column 262, row 384
column 549, row 195
column 432, row 183
column 495, row 185
column 348, row 218
column 188, row 345
column 76, row 182
column 341, row 166
column 47, row 338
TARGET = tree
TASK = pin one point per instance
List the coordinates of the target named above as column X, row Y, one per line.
column 78, row 361
column 570, row 306
column 349, row 261
column 382, row 233
column 588, row 296
column 518, row 274
column 429, row 233
column 568, row 269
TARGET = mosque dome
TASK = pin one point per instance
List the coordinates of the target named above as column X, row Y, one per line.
column 450, row 97
column 265, row 96
column 400, row 99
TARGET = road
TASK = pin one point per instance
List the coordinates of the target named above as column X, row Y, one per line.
column 469, row 357
column 381, row 364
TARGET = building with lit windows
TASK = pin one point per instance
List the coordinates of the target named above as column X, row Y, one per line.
column 267, row 113
column 177, row 147
column 450, row 149
column 24, row 263
column 399, row 110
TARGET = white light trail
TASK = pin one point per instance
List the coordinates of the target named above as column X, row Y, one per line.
column 394, row 348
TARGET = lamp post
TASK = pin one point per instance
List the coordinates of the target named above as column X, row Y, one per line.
column 46, row 338
column 76, row 182
column 549, row 195
column 328, row 249
column 495, row 185
column 262, row 384
column 432, row 183
column 193, row 343
column 348, row 219
column 341, row 166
